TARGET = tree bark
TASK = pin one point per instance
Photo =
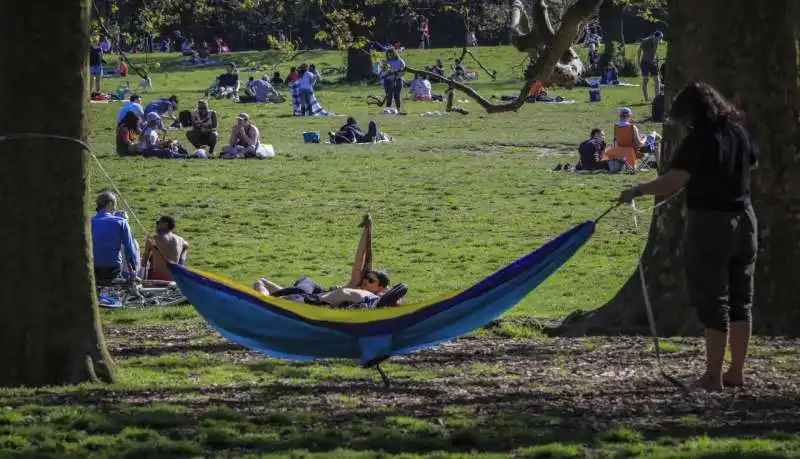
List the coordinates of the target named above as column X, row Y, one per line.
column 756, row 65
column 50, row 333
column 359, row 66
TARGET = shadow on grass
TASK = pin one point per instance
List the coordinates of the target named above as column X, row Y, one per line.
column 323, row 418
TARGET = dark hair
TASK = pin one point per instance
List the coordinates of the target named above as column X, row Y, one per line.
column 293, row 69
column 383, row 278
column 277, row 75
column 174, row 99
column 135, row 97
column 702, row 105
column 250, row 79
column 130, row 121
column 351, row 120
column 170, row 221
column 595, row 131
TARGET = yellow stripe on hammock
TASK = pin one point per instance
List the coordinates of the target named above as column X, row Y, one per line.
column 317, row 313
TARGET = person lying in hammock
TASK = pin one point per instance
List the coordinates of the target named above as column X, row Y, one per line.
column 365, row 289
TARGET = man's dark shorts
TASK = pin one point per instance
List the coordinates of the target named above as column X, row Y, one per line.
column 648, row 69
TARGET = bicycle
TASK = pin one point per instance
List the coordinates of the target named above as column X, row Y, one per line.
column 129, row 293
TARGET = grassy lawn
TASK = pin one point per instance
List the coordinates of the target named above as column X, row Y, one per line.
column 454, row 198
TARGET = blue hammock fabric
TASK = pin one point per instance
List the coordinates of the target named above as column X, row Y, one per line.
column 284, row 329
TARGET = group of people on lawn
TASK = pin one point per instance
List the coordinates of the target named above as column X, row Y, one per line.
column 116, row 252
column 141, row 131
column 628, row 149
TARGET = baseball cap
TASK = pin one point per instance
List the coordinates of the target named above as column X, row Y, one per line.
column 625, row 111
column 658, row 34
column 153, row 116
column 244, row 116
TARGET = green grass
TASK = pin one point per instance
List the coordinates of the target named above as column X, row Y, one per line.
column 455, row 198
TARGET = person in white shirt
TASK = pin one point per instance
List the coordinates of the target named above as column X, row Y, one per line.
column 420, row 88
column 305, row 86
column 149, row 139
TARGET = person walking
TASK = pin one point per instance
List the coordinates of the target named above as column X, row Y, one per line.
column 720, row 242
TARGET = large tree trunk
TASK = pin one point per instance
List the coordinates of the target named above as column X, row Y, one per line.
column 50, row 329
column 359, row 66
column 755, row 65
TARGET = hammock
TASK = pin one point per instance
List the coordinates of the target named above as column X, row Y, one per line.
column 281, row 328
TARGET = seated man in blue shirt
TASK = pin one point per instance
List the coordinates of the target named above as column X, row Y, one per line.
column 109, row 234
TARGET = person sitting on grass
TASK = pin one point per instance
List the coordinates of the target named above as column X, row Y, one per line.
column 365, row 288
column 204, row 128
column 134, row 104
column 164, row 246
column 352, row 133
column 420, row 88
column 610, row 75
column 152, row 146
column 244, row 140
column 227, row 84
column 109, row 233
column 166, row 108
column 127, row 135
column 627, row 141
column 591, row 152
column 259, row 91
column 276, row 80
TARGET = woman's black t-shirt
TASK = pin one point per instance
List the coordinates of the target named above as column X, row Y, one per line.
column 719, row 160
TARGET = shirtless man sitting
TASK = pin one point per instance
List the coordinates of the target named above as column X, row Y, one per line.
column 169, row 245
column 365, row 284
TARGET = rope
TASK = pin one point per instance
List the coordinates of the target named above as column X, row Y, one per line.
column 648, row 304
column 86, row 147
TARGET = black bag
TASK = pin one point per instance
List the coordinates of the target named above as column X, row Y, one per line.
column 185, row 118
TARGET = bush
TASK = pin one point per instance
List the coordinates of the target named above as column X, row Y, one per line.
column 615, row 53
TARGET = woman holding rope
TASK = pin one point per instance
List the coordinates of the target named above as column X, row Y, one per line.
column 720, row 242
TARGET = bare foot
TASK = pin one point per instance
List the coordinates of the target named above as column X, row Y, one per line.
column 733, row 379
column 259, row 287
column 708, row 384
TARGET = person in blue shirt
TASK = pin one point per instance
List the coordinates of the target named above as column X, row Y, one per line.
column 393, row 77
column 134, row 105
column 166, row 108
column 109, row 233
column 610, row 75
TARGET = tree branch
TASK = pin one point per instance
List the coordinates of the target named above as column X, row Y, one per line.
column 541, row 70
column 541, row 21
column 488, row 106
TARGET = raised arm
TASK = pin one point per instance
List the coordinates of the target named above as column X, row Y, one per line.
column 357, row 272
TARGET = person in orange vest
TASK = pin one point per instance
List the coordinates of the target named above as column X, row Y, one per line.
column 627, row 141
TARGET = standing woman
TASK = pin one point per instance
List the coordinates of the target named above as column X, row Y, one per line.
column 393, row 77
column 720, row 242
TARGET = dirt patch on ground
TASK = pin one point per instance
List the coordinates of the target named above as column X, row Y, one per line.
column 559, row 389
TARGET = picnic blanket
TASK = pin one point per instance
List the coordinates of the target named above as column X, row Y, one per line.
column 297, row 106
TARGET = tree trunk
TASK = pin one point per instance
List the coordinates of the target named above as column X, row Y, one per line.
column 757, row 67
column 50, row 332
column 359, row 65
